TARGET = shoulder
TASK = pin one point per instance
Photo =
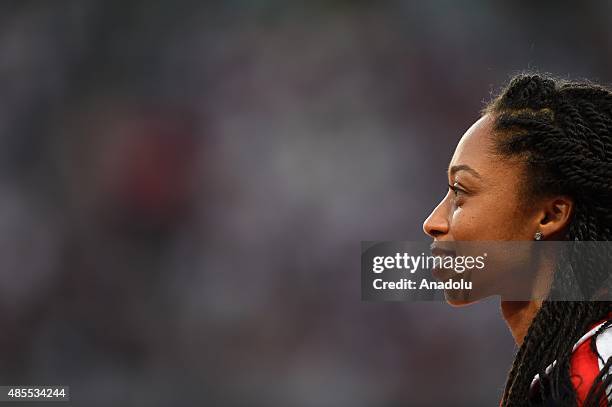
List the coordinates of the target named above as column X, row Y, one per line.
column 588, row 358
column 589, row 355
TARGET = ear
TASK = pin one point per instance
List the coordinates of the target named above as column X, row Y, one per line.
column 555, row 216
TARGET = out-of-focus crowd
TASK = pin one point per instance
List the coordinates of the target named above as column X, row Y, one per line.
column 184, row 188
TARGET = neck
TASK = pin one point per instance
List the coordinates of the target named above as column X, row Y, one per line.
column 519, row 315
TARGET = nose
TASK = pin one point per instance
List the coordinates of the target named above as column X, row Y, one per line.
column 436, row 224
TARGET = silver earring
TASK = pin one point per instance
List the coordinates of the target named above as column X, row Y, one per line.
column 538, row 235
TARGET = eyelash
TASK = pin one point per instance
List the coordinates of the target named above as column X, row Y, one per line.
column 455, row 189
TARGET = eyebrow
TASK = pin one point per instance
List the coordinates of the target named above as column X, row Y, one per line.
column 463, row 167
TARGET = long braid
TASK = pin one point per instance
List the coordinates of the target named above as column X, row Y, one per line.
column 563, row 133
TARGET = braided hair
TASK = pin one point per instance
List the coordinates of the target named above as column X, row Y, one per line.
column 562, row 132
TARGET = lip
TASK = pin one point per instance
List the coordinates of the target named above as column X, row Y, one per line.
column 438, row 249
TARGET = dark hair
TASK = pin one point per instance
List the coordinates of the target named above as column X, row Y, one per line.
column 562, row 131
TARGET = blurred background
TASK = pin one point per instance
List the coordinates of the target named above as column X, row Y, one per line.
column 184, row 187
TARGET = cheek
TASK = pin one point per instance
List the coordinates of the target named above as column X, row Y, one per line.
column 485, row 218
column 465, row 223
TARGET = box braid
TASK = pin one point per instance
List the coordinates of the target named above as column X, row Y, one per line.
column 562, row 131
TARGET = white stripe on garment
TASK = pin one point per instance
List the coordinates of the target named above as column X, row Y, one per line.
column 603, row 343
column 607, row 343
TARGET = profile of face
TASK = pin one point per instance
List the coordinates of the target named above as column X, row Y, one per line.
column 484, row 202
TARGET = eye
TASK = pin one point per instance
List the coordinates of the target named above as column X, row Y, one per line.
column 457, row 191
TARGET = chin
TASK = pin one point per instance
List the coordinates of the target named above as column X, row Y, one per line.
column 458, row 299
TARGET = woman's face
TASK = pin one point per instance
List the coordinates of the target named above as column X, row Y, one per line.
column 484, row 204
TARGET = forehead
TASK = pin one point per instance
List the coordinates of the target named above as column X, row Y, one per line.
column 474, row 148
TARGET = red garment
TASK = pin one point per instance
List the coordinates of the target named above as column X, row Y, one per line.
column 585, row 365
